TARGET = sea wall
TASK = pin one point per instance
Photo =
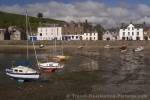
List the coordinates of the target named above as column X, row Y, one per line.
column 68, row 46
column 78, row 43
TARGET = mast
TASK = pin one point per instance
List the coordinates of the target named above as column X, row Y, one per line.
column 27, row 33
column 54, row 54
column 62, row 48
column 35, row 53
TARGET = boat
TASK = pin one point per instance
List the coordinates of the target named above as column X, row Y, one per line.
column 107, row 46
column 41, row 46
column 50, row 66
column 123, row 48
column 138, row 49
column 22, row 72
column 58, row 58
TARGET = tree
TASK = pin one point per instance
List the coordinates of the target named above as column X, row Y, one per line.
column 40, row 16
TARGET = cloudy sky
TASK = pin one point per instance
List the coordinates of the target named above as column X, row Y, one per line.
column 109, row 13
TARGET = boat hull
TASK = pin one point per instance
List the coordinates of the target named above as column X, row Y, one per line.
column 31, row 76
column 48, row 70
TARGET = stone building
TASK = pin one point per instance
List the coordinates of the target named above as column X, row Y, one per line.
column 73, row 28
column 147, row 34
column 2, row 33
column 15, row 34
column 108, row 35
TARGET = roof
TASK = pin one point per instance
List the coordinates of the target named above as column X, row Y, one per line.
column 124, row 26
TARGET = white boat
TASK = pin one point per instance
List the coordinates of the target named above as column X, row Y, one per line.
column 41, row 46
column 138, row 49
column 107, row 46
column 22, row 73
column 50, row 66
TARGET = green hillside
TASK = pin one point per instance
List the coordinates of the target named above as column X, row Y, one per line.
column 8, row 19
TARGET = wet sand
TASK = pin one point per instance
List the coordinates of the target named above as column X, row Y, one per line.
column 107, row 75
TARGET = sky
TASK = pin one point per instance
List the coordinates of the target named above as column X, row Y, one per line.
column 109, row 13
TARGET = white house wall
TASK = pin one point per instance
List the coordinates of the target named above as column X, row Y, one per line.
column 131, row 33
column 49, row 33
column 90, row 36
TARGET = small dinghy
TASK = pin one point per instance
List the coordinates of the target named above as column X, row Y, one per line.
column 107, row 46
column 138, row 49
column 123, row 48
column 22, row 73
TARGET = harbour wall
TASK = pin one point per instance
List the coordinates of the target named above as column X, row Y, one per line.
column 68, row 46
column 77, row 43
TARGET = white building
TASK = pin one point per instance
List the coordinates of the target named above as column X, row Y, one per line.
column 2, row 32
column 49, row 33
column 90, row 36
column 131, row 33
column 72, row 37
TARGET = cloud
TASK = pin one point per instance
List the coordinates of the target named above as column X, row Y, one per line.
column 95, row 12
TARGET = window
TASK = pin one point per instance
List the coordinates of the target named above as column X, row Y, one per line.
column 123, row 33
column 20, row 71
column 123, row 38
column 128, row 28
column 76, row 37
column 90, row 38
column 137, row 33
column 132, row 33
column 128, row 33
column 16, row 70
column 40, row 34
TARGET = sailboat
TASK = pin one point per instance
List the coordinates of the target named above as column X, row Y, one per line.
column 22, row 72
column 58, row 57
column 54, row 63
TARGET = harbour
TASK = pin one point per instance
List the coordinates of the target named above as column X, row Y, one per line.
column 124, row 73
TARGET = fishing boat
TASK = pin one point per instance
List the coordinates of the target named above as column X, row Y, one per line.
column 50, row 66
column 22, row 72
column 138, row 49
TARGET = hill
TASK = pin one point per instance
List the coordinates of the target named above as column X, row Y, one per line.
column 9, row 19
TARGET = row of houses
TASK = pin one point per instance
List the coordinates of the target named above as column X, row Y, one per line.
column 12, row 33
column 51, row 33
column 129, row 32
